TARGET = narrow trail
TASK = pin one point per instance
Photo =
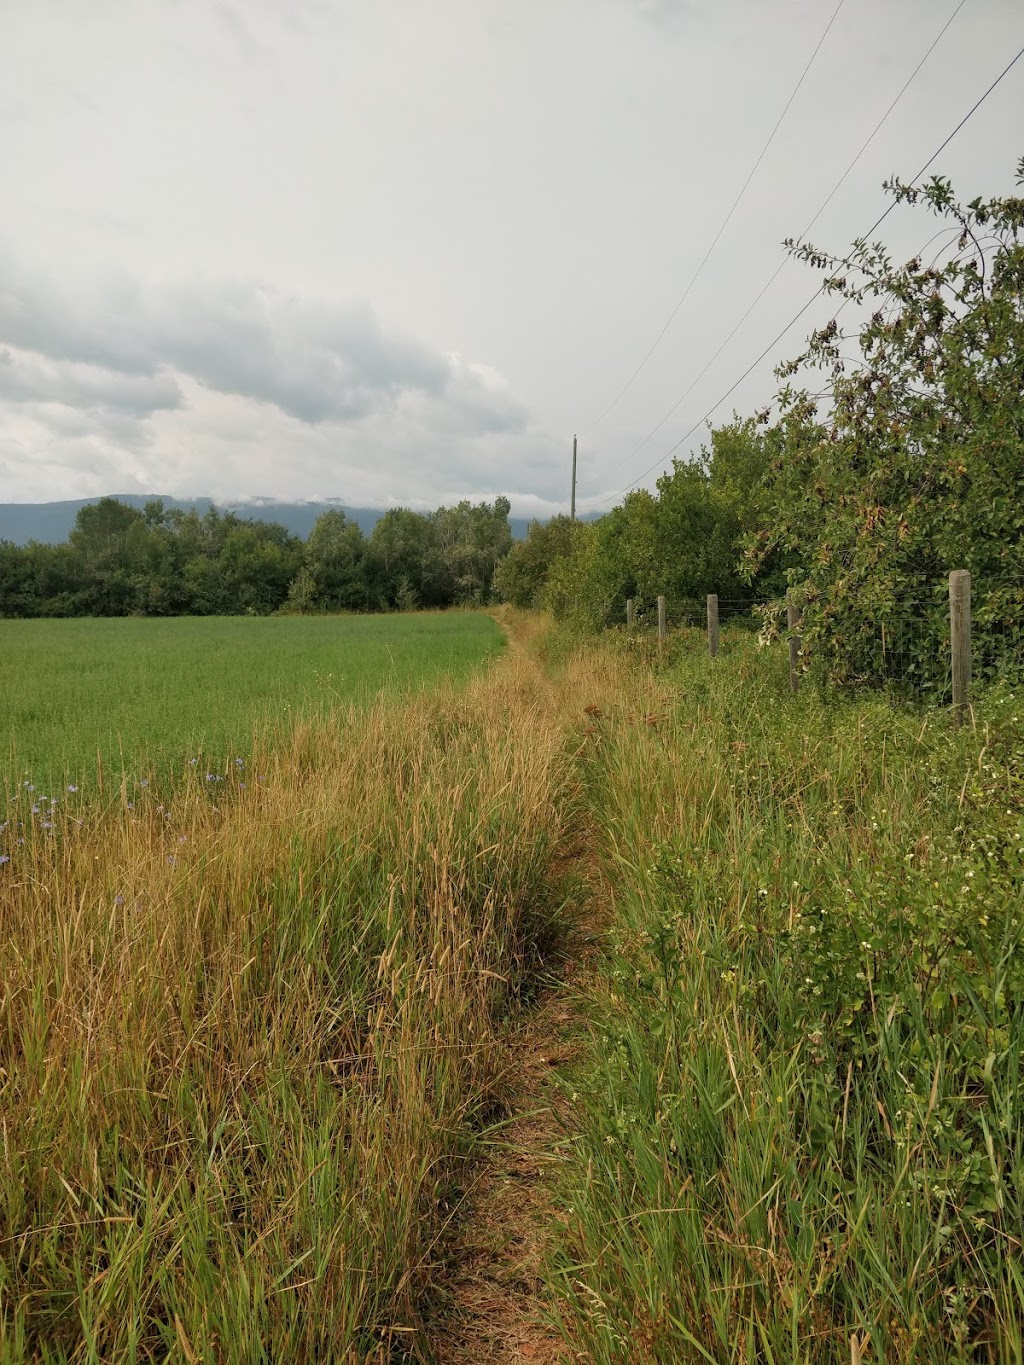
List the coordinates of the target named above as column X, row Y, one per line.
column 497, row 1300
column 497, row 1307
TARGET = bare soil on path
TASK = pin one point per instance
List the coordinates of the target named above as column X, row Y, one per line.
column 496, row 1310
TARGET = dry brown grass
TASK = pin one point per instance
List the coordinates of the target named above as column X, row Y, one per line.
column 496, row 1307
column 245, row 1037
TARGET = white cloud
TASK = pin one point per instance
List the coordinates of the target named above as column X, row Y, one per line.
column 315, row 360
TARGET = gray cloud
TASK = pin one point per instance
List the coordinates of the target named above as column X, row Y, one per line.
column 532, row 186
column 666, row 11
column 119, row 344
column 231, row 386
column 27, row 377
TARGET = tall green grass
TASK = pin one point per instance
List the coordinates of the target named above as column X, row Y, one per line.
column 151, row 694
column 248, row 1033
column 800, row 1124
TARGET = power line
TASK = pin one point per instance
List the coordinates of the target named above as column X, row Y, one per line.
column 725, row 223
column 801, row 236
column 597, row 502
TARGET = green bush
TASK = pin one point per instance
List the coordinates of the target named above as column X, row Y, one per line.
column 906, row 465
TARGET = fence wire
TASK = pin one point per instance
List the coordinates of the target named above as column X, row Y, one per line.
column 910, row 656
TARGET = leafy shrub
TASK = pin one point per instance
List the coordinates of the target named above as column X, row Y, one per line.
column 906, row 465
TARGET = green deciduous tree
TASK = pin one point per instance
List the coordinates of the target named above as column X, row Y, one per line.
column 681, row 540
column 471, row 541
column 908, row 463
column 335, row 561
column 403, row 563
column 521, row 577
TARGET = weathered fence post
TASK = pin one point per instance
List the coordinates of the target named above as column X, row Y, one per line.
column 662, row 621
column 792, row 622
column 713, row 624
column 630, row 616
column 960, row 639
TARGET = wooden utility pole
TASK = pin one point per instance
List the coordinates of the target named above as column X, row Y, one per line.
column 572, row 501
column 662, row 621
column 629, row 613
column 713, row 624
column 960, row 639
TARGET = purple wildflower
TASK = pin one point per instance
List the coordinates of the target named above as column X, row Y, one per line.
column 72, row 787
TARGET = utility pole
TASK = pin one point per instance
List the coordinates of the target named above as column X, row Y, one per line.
column 572, row 503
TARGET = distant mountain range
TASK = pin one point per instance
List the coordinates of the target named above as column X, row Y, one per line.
column 50, row 522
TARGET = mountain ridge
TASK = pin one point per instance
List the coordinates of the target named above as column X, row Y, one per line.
column 50, row 522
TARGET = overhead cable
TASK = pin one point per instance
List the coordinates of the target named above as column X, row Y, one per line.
column 725, row 223
column 802, row 236
column 816, row 295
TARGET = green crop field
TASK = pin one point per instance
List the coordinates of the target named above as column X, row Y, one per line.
column 151, row 695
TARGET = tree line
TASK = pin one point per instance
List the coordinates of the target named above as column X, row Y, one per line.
column 895, row 454
column 119, row 561
column 892, row 453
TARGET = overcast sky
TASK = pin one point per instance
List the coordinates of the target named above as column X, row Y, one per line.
column 398, row 251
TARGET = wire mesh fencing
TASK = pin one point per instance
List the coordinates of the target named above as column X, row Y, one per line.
column 906, row 646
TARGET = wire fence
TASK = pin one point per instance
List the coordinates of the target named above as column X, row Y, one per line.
column 689, row 613
column 906, row 648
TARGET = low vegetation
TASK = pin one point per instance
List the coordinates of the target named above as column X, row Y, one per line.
column 799, row 1132
column 250, row 1030
column 156, row 697
column 247, row 1031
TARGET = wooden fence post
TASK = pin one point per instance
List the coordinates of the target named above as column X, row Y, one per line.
column 792, row 622
column 960, row 639
column 662, row 621
column 713, row 624
column 629, row 613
